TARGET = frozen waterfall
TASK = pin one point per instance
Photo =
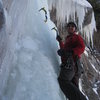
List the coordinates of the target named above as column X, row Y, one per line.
column 29, row 69
column 29, row 65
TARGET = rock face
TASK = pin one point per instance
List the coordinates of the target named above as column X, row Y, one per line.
column 91, row 77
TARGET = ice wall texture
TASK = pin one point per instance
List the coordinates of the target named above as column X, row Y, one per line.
column 30, row 66
column 4, row 46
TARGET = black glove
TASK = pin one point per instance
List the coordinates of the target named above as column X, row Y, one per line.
column 61, row 52
column 58, row 38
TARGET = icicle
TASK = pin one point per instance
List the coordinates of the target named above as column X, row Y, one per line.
column 67, row 10
column 89, row 29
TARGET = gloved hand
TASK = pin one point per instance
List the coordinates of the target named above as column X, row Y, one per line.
column 58, row 38
column 61, row 52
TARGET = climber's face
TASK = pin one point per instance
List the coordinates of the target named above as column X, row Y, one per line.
column 71, row 29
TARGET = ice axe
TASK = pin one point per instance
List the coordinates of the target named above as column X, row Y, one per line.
column 43, row 9
column 57, row 33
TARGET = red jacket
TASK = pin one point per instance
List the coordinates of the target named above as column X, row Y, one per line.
column 73, row 42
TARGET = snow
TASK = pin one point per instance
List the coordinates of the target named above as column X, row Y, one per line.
column 80, row 87
column 95, row 87
column 86, row 53
column 95, row 90
column 94, row 67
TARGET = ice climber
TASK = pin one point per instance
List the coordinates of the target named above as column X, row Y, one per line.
column 71, row 69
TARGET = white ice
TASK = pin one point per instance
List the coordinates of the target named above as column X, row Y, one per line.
column 30, row 67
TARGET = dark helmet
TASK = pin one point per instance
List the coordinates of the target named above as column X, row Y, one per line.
column 71, row 23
